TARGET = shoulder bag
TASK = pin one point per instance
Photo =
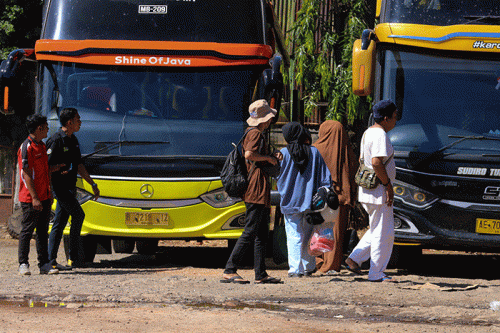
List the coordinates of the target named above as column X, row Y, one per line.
column 365, row 176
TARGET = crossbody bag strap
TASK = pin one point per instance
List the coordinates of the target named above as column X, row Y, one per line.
column 362, row 150
column 362, row 160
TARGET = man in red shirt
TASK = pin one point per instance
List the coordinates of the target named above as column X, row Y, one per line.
column 35, row 195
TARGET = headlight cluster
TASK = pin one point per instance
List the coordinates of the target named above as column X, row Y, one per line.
column 219, row 199
column 412, row 195
column 82, row 196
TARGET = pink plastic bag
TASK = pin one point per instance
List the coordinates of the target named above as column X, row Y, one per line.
column 322, row 239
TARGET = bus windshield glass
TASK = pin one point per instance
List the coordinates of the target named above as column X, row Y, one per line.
column 443, row 99
column 189, row 113
column 441, row 12
column 222, row 21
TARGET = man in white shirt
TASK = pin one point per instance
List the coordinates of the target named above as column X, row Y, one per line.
column 378, row 153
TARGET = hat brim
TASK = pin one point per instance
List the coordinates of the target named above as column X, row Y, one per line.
column 256, row 121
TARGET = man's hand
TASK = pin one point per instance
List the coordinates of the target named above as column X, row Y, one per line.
column 56, row 167
column 390, row 194
column 37, row 204
column 278, row 155
column 97, row 193
column 272, row 159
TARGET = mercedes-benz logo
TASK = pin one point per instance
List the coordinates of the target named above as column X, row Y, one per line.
column 147, row 190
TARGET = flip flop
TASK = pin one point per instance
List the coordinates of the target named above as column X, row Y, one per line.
column 268, row 280
column 384, row 279
column 356, row 270
column 234, row 279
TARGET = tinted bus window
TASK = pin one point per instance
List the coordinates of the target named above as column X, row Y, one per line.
column 223, row 21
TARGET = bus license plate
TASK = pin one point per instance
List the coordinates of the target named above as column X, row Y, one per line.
column 488, row 226
column 146, row 218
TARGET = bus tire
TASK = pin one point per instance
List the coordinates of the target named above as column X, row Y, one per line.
column 14, row 223
column 406, row 256
column 123, row 245
column 147, row 246
column 89, row 247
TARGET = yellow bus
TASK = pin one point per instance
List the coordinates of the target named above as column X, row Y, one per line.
column 438, row 60
column 163, row 89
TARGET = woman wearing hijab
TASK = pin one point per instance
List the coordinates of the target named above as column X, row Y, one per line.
column 303, row 171
column 335, row 148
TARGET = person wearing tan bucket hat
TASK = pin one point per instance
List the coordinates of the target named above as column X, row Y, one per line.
column 257, row 198
column 260, row 112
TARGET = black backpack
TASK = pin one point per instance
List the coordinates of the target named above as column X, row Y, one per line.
column 234, row 172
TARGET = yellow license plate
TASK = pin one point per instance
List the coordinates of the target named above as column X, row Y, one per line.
column 488, row 226
column 146, row 218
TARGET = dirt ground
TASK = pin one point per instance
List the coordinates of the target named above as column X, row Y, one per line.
column 179, row 290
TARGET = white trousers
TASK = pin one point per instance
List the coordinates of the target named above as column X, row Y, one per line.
column 298, row 233
column 376, row 244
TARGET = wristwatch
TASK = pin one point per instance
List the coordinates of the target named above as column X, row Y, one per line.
column 387, row 183
column 94, row 185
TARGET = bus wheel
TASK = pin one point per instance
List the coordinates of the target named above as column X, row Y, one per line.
column 147, row 246
column 89, row 244
column 14, row 223
column 123, row 245
column 89, row 247
column 406, row 256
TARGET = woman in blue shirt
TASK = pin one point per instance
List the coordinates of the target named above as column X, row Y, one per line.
column 303, row 171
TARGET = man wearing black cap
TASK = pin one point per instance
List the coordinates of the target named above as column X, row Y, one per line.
column 377, row 153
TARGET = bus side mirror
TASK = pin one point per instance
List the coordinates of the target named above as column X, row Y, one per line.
column 273, row 84
column 9, row 70
column 363, row 64
column 4, row 90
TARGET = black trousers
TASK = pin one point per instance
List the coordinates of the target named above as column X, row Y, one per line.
column 32, row 219
column 256, row 230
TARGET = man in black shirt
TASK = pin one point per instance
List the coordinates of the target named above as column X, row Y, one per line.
column 63, row 148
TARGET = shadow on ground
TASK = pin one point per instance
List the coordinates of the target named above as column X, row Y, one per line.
column 433, row 264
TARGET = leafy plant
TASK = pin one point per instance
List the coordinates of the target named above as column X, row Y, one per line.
column 20, row 24
column 321, row 47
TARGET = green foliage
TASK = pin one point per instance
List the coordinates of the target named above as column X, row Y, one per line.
column 321, row 56
column 20, row 24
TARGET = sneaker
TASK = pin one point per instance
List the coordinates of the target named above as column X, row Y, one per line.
column 330, row 273
column 24, row 269
column 48, row 269
column 60, row 267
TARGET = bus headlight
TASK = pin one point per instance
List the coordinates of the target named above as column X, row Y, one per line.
column 219, row 199
column 412, row 195
column 82, row 196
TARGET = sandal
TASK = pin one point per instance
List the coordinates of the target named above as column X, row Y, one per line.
column 269, row 280
column 384, row 279
column 354, row 268
column 234, row 279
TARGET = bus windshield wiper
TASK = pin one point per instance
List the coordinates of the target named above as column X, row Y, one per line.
column 112, row 144
column 439, row 153
column 479, row 18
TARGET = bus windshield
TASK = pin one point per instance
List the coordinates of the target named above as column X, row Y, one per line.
column 188, row 113
column 443, row 99
column 441, row 12
column 222, row 21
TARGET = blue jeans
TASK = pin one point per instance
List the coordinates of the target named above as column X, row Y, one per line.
column 67, row 206
column 298, row 233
